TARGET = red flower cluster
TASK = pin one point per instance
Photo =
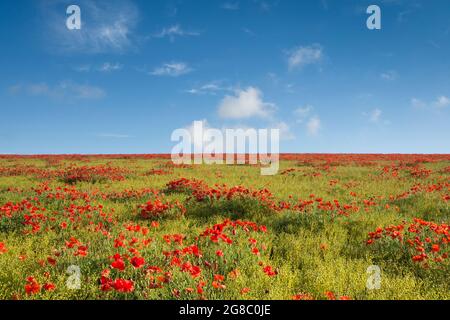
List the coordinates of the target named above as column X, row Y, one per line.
column 3, row 248
column 33, row 287
column 154, row 209
column 119, row 285
column 425, row 241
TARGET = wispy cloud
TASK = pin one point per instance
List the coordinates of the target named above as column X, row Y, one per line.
column 304, row 55
column 266, row 5
column 211, row 88
column 440, row 103
column 313, row 126
column 302, row 113
column 175, row 31
column 64, row 90
column 172, row 69
column 107, row 26
column 417, row 103
column 375, row 115
column 389, row 75
column 106, row 67
column 109, row 67
column 230, row 6
column 285, row 130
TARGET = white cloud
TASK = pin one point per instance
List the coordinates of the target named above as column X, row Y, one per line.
column 245, row 104
column 303, row 112
column 109, row 67
column 211, row 88
column 375, row 115
column 313, row 126
column 107, row 26
column 175, row 31
column 64, row 90
column 285, row 130
column 389, row 75
column 302, row 56
column 442, row 102
column 173, row 69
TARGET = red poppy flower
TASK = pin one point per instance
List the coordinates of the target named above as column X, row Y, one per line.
column 49, row 286
column 3, row 248
column 219, row 253
column 218, row 285
column 118, row 263
column 123, row 285
column 137, row 262
column 245, row 291
column 269, row 271
column 32, row 286
column 219, row 277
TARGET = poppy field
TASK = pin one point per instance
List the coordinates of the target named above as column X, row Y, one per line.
column 140, row 227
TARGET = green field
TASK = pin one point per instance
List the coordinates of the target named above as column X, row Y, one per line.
column 134, row 230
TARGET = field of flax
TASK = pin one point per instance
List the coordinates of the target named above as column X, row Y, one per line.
column 139, row 227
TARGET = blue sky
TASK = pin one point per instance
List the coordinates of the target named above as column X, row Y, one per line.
column 137, row 70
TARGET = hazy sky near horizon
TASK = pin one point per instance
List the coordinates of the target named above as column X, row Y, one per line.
column 137, row 70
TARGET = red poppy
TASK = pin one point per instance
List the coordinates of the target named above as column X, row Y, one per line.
column 219, row 253
column 49, row 286
column 123, row 285
column 3, row 248
column 245, row 291
column 137, row 262
column 118, row 263
column 32, row 286
column 269, row 271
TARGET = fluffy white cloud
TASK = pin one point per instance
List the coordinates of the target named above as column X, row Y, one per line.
column 313, row 126
column 442, row 102
column 245, row 104
column 173, row 69
column 302, row 56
